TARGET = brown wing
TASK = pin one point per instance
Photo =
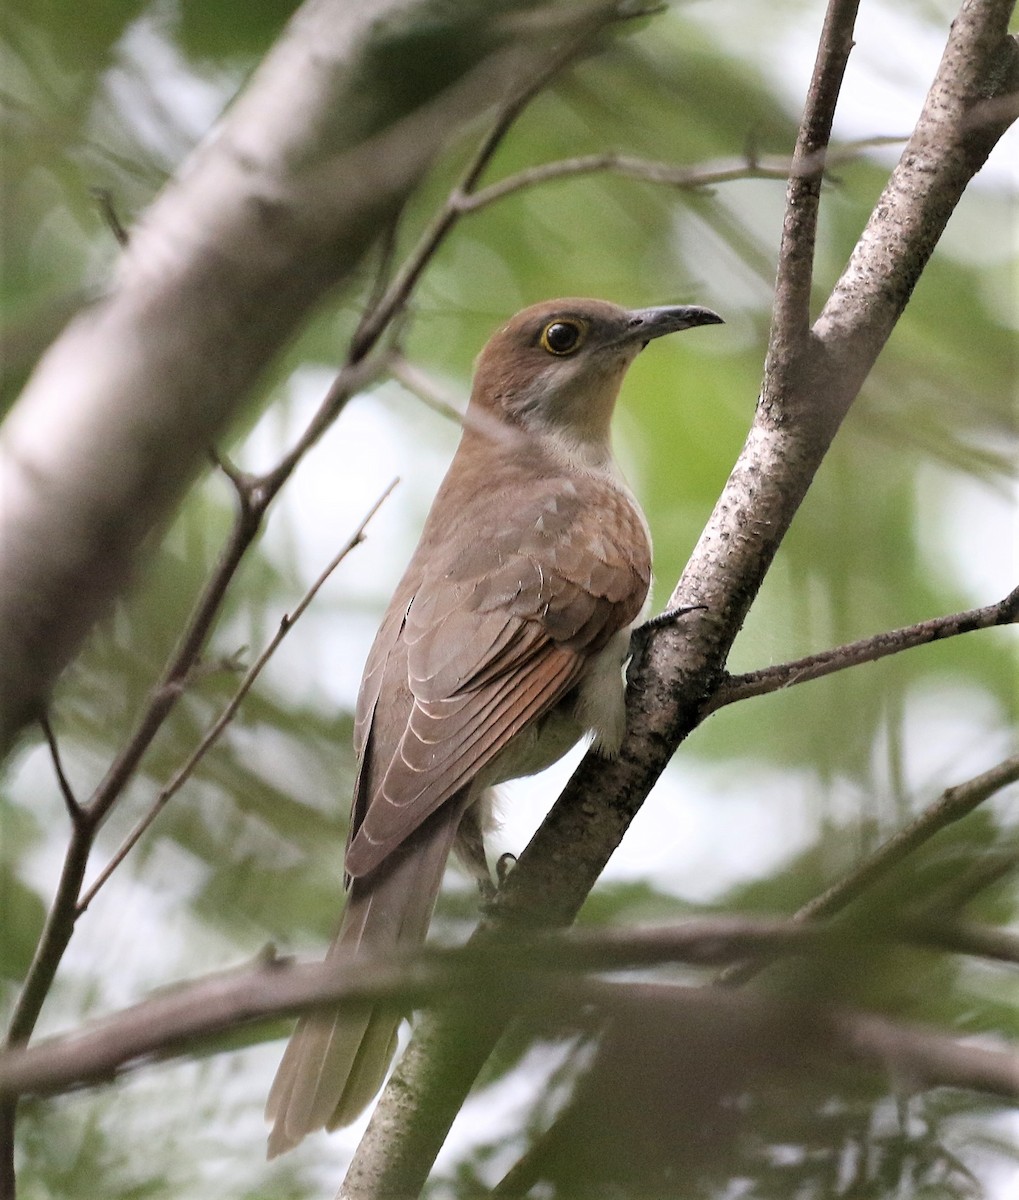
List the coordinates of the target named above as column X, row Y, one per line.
column 486, row 633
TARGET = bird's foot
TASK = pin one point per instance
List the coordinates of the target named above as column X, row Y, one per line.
column 639, row 637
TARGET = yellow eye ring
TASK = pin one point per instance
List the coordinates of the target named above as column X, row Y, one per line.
column 562, row 337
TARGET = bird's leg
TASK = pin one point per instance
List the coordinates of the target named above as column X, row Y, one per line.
column 469, row 846
column 670, row 617
column 505, row 863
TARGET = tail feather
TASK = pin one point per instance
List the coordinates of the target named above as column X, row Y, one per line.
column 334, row 1065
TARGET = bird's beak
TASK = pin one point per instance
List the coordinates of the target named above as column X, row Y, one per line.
column 647, row 323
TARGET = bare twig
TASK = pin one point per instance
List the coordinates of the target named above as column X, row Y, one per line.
column 351, row 379
column 796, row 253
column 418, row 383
column 641, row 169
column 212, row 735
column 104, row 202
column 66, row 791
column 952, row 805
column 645, row 170
column 815, row 666
column 395, row 296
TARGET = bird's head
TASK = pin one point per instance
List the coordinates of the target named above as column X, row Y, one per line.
column 557, row 366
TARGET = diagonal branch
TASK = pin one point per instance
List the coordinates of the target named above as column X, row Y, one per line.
column 881, row 645
column 951, row 806
column 808, row 388
column 215, row 731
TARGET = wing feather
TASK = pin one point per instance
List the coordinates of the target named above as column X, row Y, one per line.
column 486, row 633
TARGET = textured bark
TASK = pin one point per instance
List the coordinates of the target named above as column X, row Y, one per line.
column 811, row 378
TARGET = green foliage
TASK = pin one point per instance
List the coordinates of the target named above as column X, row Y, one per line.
column 250, row 851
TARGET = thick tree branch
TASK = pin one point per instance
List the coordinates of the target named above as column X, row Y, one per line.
column 810, row 382
column 271, row 212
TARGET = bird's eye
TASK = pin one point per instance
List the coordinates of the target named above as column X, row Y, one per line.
column 562, row 337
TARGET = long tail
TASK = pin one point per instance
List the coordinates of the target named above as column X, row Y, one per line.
column 334, row 1065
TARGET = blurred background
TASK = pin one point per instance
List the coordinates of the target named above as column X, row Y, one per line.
column 912, row 516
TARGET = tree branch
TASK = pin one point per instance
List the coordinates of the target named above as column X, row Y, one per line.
column 881, row 645
column 664, row 174
column 809, row 385
column 952, row 805
column 796, row 253
column 214, row 732
column 641, row 169
column 169, row 1024
column 270, row 214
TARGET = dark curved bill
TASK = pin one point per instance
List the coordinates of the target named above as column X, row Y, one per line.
column 647, row 323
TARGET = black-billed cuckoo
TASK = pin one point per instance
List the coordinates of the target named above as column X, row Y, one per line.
column 503, row 646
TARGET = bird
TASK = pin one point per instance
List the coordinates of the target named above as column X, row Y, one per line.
column 503, row 645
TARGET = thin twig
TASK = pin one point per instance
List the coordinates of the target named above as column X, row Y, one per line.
column 419, row 384
column 352, row 378
column 212, row 735
column 799, row 230
column 952, row 805
column 170, row 686
column 395, row 296
column 881, row 645
column 641, row 169
column 104, row 202
column 70, row 802
column 645, row 170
